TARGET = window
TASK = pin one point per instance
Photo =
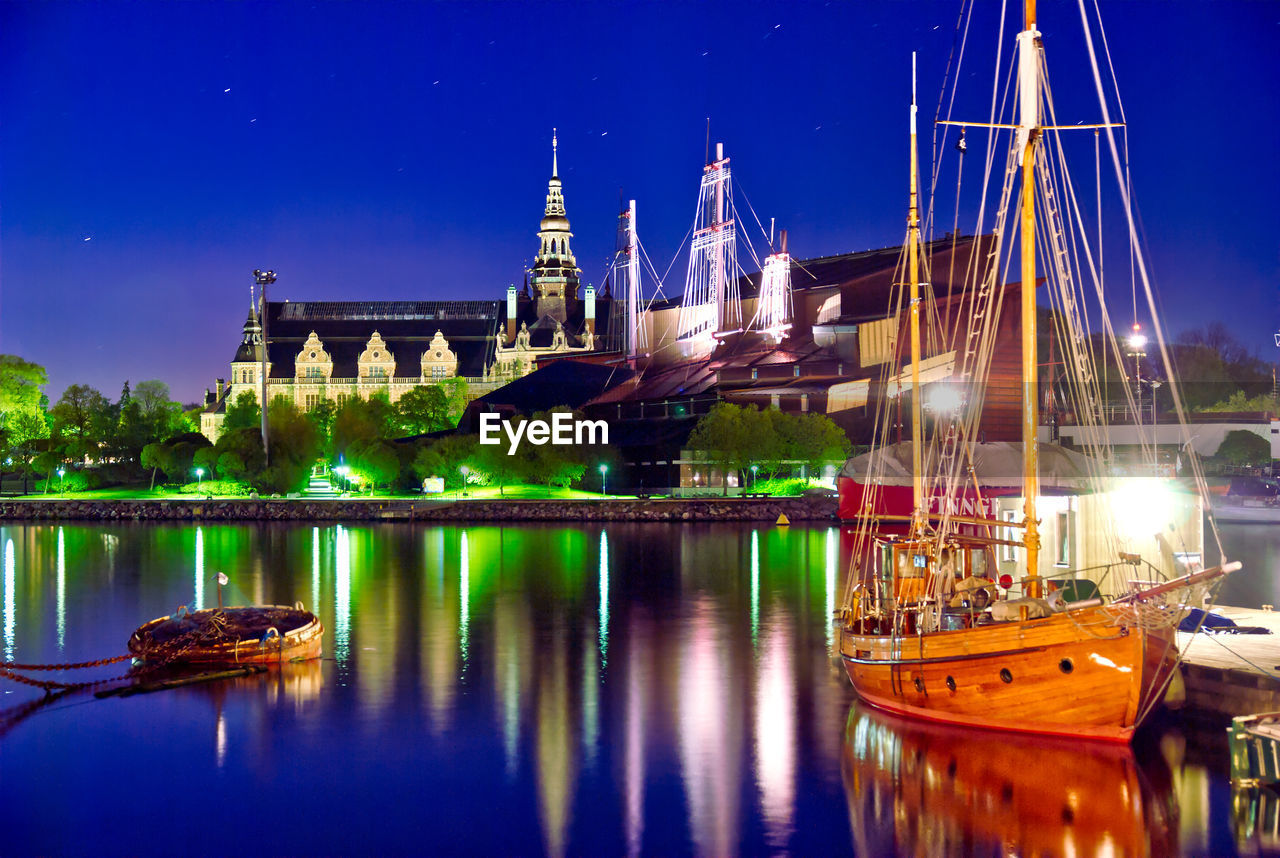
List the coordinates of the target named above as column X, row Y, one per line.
column 378, row 372
column 312, row 401
column 438, row 372
column 1064, row 540
column 315, row 372
column 1010, row 534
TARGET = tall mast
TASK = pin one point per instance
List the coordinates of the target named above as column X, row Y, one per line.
column 1028, row 134
column 913, row 265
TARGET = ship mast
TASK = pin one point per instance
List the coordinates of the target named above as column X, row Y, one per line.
column 1028, row 135
column 913, row 265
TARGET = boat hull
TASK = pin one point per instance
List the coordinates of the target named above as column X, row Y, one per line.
column 1088, row 673
column 299, row 643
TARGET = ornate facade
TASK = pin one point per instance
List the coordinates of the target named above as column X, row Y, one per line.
column 331, row 350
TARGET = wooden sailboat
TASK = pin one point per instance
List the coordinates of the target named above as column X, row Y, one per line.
column 926, row 631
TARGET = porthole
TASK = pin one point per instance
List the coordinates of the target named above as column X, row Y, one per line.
column 376, row 355
column 1066, row 666
column 439, row 355
column 1005, row 675
column 313, row 355
column 951, row 683
column 919, row 684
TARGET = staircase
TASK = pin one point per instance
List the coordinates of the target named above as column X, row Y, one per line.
column 320, row 487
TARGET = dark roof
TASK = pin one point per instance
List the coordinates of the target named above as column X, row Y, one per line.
column 406, row 326
column 564, row 383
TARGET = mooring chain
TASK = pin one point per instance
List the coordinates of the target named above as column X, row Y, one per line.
column 164, row 654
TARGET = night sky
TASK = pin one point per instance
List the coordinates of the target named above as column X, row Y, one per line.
column 152, row 155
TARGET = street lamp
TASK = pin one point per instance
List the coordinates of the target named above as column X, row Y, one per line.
column 341, row 471
column 754, row 468
column 61, row 482
column 465, row 471
column 604, row 472
column 264, row 279
column 199, row 478
column 1137, row 343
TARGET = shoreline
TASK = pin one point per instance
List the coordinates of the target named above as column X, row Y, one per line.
column 796, row 509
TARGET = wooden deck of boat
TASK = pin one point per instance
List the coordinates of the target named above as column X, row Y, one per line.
column 1234, row 674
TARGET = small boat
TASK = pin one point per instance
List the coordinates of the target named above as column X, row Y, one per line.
column 260, row 634
column 1247, row 500
column 1254, row 741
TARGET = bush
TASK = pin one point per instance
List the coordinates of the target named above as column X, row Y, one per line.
column 1242, row 447
column 220, row 488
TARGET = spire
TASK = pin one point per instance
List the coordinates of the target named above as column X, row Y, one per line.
column 555, row 272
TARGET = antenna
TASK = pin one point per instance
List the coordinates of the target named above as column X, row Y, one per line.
column 707, row 156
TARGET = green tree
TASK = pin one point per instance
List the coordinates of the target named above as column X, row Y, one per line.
column 445, row 458
column 295, row 447
column 82, row 418
column 1242, row 447
column 723, row 436
column 322, row 417
column 494, row 465
column 243, row 413
column 20, row 383
column 375, row 460
column 207, row 458
column 422, row 410
column 456, row 394
column 371, row 419
column 818, row 441
column 554, row 464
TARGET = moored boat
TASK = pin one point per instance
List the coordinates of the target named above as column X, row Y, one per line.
column 262, row 634
column 953, row 612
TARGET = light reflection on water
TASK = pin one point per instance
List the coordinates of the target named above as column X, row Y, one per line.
column 638, row 689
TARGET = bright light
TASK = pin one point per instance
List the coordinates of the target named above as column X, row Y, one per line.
column 199, row 472
column 1143, row 507
column 61, row 472
column 1137, row 341
column 943, row 399
column 604, row 469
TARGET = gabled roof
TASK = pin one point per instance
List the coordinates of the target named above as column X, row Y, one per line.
column 406, row 327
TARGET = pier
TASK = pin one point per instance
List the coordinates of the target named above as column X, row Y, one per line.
column 1233, row 674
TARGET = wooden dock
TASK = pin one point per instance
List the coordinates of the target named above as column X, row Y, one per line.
column 1233, row 674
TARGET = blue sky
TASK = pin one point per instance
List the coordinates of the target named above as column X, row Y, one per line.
column 401, row 151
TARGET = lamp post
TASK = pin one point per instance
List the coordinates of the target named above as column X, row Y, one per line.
column 264, row 279
column 604, row 473
column 754, row 468
column 199, row 478
column 61, row 481
column 1137, row 343
column 341, row 471
column 465, row 471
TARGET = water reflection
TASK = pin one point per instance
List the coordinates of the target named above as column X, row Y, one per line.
column 917, row 788
column 638, row 689
column 62, row 590
column 10, row 618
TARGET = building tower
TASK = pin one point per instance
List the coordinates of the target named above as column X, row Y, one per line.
column 246, row 366
column 555, row 272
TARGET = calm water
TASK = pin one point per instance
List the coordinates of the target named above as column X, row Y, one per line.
column 636, row 689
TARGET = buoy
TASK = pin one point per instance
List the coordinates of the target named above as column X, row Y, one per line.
column 782, row 520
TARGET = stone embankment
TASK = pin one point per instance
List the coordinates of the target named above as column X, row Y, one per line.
column 691, row 509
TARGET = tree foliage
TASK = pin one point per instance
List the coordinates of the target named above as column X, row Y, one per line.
column 423, row 409
column 1242, row 447
column 735, row 438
